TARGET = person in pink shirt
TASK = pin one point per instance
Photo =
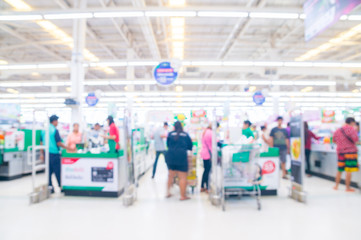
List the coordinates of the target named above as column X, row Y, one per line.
column 74, row 138
column 206, row 155
column 346, row 138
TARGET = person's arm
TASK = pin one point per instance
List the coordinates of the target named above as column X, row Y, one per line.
column 354, row 136
column 313, row 135
column 112, row 133
column 189, row 143
column 334, row 137
column 271, row 142
column 168, row 140
column 267, row 141
column 59, row 142
column 288, row 145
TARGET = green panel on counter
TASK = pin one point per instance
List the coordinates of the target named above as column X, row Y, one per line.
column 94, row 189
column 92, row 155
column 272, row 152
column 251, row 188
column 28, row 137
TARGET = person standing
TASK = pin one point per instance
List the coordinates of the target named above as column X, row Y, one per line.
column 95, row 136
column 178, row 142
column 206, row 155
column 55, row 143
column 279, row 139
column 246, row 130
column 346, row 138
column 159, row 138
column 308, row 138
column 74, row 138
column 264, row 139
column 113, row 133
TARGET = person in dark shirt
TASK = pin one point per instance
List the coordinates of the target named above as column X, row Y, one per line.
column 178, row 142
column 279, row 138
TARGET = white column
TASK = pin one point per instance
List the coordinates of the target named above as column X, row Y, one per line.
column 77, row 60
column 130, row 69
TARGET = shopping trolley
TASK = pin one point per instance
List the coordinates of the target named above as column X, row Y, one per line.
column 241, row 175
column 192, row 179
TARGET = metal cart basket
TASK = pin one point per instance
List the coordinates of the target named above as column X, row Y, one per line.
column 241, row 175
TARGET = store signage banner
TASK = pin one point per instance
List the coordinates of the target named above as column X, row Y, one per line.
column 165, row 74
column 328, row 116
column 90, row 173
column 91, row 99
column 297, row 149
column 198, row 115
column 259, row 98
column 9, row 113
column 321, row 14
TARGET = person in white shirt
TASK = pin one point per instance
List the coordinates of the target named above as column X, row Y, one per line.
column 159, row 144
column 264, row 139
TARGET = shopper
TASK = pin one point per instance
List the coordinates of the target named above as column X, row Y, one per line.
column 264, row 139
column 206, row 155
column 95, row 136
column 74, row 138
column 55, row 143
column 246, row 130
column 159, row 138
column 346, row 138
column 178, row 143
column 308, row 138
column 113, row 133
column 279, row 139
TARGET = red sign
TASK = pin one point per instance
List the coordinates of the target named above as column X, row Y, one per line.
column 110, row 165
column 69, row 160
column 268, row 167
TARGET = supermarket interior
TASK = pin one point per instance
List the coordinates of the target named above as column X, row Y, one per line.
column 180, row 119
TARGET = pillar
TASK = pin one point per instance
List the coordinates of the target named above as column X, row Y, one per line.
column 77, row 61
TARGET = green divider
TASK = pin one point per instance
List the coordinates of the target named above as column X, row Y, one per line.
column 272, row 152
column 92, row 155
column 246, row 188
column 94, row 189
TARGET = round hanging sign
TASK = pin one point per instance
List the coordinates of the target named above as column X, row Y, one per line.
column 165, row 74
column 91, row 99
column 258, row 98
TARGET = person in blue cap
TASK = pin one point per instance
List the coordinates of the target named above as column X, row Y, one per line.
column 55, row 143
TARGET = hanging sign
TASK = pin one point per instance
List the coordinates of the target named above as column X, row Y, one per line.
column 91, row 99
column 328, row 116
column 165, row 74
column 258, row 98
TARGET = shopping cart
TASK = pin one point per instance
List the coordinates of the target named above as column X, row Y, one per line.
column 241, row 175
column 192, row 169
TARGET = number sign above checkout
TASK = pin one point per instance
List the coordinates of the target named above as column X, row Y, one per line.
column 165, row 74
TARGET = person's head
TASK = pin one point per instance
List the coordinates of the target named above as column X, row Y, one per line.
column 210, row 126
column 350, row 121
column 178, row 127
column 246, row 124
column 306, row 126
column 76, row 127
column 54, row 120
column 279, row 121
column 263, row 128
column 97, row 127
column 110, row 120
column 165, row 125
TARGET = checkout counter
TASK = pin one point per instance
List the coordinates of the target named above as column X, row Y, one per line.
column 323, row 161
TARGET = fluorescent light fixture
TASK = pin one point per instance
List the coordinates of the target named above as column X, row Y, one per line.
column 307, row 89
column 274, row 15
column 266, row 82
column 206, row 63
column 351, row 65
column 354, row 17
column 177, row 3
column 57, row 65
column 282, row 83
column 298, row 64
column 20, row 17
column 68, row 15
column 19, row 5
column 96, row 83
column 13, row 91
column 21, row 67
column 268, row 64
column 237, row 82
column 118, row 14
column 343, row 17
column 230, row 63
column 108, row 64
column 326, row 64
column 170, row 13
column 222, row 14
column 149, row 63
column 358, row 83
column 3, row 62
column 59, row 84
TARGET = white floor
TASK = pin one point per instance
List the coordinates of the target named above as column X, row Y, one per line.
column 328, row 214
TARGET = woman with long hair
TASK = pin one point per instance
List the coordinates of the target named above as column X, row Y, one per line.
column 178, row 143
column 206, row 155
column 308, row 138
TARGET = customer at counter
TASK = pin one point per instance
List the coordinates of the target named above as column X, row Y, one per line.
column 346, row 138
column 264, row 139
column 95, row 135
column 55, row 143
column 178, row 143
column 74, row 138
column 113, row 133
column 308, row 138
column 246, row 130
column 279, row 139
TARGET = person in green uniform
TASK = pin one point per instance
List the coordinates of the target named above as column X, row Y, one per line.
column 246, row 130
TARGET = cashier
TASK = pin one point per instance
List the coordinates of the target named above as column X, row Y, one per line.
column 246, row 130
column 113, row 132
column 95, row 136
column 55, row 143
column 74, row 138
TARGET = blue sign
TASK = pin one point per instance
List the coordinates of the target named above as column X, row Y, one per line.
column 164, row 74
column 91, row 99
column 258, row 98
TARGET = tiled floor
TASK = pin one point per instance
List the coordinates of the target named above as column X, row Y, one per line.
column 328, row 214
